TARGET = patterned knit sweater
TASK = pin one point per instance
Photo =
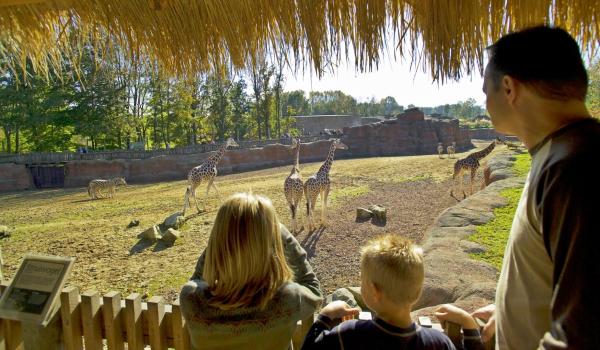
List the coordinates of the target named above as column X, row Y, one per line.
column 252, row 328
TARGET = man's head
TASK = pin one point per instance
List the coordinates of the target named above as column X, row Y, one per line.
column 391, row 269
column 541, row 61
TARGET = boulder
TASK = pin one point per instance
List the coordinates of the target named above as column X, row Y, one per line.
column 151, row 234
column 363, row 214
column 351, row 295
column 170, row 236
column 4, row 231
column 379, row 212
column 173, row 221
column 342, row 294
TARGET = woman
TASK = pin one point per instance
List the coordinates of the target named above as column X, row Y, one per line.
column 252, row 283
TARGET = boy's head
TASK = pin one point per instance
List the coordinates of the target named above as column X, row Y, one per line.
column 392, row 266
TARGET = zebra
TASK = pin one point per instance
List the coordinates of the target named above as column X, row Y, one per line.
column 98, row 186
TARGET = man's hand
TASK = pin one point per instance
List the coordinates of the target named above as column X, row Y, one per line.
column 451, row 313
column 339, row 309
column 488, row 314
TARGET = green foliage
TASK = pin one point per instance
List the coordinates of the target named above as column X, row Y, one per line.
column 111, row 102
column 494, row 234
column 593, row 95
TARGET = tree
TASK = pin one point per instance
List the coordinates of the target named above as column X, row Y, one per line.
column 593, row 95
column 277, row 90
column 388, row 106
column 239, row 109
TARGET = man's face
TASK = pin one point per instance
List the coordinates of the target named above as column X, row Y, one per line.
column 495, row 101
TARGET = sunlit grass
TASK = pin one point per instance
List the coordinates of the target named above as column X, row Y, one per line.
column 494, row 234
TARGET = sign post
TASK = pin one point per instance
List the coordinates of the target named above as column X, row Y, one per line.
column 32, row 298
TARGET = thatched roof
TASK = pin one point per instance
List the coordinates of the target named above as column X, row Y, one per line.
column 189, row 36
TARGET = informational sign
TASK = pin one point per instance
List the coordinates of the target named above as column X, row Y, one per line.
column 33, row 293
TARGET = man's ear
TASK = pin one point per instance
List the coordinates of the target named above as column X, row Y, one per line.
column 510, row 88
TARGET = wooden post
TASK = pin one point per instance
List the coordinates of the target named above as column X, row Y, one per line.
column 133, row 321
column 92, row 320
column 37, row 337
column 112, row 321
column 453, row 332
column 156, row 313
column 70, row 312
column 11, row 329
column 181, row 337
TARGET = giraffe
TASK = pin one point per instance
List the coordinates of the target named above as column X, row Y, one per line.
column 471, row 162
column 452, row 150
column 440, row 149
column 206, row 171
column 293, row 187
column 319, row 184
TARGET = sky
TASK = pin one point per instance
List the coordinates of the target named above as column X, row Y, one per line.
column 391, row 79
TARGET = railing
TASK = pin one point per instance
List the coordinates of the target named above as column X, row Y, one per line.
column 63, row 157
column 95, row 323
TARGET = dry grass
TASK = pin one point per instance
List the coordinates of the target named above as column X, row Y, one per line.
column 110, row 257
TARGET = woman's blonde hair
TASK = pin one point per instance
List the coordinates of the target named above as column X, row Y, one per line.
column 245, row 264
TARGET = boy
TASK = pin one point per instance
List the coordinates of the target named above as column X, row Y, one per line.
column 392, row 278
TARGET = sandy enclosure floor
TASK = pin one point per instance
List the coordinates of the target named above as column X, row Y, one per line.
column 109, row 256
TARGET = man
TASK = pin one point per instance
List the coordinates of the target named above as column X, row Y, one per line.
column 536, row 83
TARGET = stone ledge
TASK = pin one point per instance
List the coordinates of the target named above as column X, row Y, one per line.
column 451, row 275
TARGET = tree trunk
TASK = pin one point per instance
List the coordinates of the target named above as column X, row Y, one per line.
column 155, row 127
column 17, row 143
column 7, row 133
column 194, row 133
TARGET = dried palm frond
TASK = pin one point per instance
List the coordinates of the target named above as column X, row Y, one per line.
column 185, row 37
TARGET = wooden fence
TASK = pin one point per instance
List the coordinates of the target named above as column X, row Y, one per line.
column 63, row 157
column 97, row 322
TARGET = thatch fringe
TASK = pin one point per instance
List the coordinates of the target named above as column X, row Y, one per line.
column 189, row 36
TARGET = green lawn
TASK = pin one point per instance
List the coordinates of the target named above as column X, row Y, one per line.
column 494, row 235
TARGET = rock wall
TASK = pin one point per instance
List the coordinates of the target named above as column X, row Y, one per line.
column 314, row 124
column 166, row 168
column 14, row 177
column 488, row 134
column 408, row 134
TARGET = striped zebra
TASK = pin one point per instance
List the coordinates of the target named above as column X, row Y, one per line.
column 104, row 187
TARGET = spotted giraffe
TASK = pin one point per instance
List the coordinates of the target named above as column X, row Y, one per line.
column 206, row 171
column 451, row 150
column 440, row 149
column 471, row 163
column 319, row 184
column 293, row 186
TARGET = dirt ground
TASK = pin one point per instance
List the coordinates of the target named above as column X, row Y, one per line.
column 109, row 256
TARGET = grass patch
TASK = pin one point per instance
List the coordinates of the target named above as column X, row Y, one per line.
column 522, row 164
column 158, row 285
column 494, row 235
column 348, row 192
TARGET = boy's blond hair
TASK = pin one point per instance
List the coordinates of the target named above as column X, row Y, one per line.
column 395, row 266
column 245, row 263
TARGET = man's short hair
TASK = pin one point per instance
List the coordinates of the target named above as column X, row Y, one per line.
column 395, row 266
column 546, row 58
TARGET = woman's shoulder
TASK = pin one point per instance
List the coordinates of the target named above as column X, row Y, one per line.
column 193, row 286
